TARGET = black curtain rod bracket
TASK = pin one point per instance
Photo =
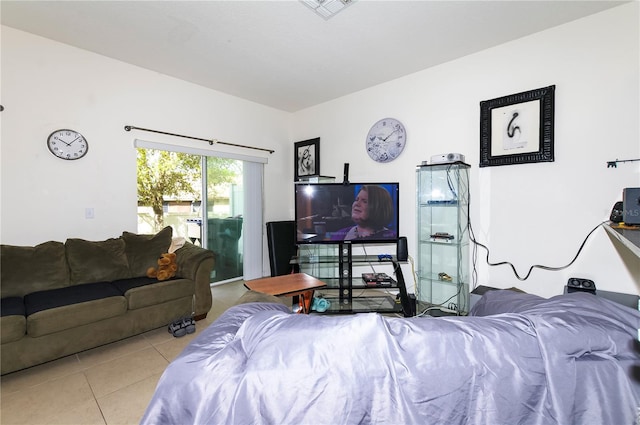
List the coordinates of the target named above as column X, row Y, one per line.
column 210, row 141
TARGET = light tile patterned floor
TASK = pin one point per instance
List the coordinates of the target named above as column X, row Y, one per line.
column 106, row 385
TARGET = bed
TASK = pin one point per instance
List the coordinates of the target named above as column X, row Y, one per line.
column 516, row 359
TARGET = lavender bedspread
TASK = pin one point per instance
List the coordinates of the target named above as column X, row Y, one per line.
column 520, row 359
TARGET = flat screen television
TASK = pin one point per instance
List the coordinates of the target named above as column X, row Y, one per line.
column 352, row 213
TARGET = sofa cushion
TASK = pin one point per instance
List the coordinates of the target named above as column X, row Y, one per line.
column 101, row 261
column 143, row 251
column 53, row 320
column 26, row 269
column 65, row 308
column 144, row 292
column 75, row 294
column 12, row 306
column 12, row 328
column 13, row 323
column 124, row 285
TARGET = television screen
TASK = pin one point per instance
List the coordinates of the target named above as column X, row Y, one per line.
column 355, row 212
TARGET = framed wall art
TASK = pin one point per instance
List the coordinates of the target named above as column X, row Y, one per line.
column 307, row 158
column 517, row 129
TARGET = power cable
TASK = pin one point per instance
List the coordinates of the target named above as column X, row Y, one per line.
column 472, row 237
column 535, row 266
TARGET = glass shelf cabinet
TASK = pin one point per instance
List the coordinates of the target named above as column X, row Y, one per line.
column 443, row 237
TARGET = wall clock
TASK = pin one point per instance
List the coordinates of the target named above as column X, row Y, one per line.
column 67, row 144
column 386, row 140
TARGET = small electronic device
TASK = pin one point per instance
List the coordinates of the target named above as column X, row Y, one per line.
column 377, row 279
column 447, row 158
column 442, row 235
column 616, row 212
column 576, row 284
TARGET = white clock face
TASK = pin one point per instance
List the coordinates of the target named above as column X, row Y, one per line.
column 67, row 144
column 386, row 140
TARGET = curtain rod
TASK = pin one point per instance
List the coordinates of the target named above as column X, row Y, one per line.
column 210, row 141
column 614, row 164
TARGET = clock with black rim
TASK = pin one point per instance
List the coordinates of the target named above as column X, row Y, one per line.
column 67, row 144
column 386, row 140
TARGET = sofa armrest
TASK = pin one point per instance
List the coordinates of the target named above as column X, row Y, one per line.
column 197, row 263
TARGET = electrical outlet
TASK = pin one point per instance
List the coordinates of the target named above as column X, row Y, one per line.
column 88, row 213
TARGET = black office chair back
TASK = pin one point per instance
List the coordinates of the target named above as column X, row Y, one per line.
column 281, row 240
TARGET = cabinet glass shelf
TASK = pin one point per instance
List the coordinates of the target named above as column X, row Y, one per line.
column 356, row 283
column 312, row 259
column 365, row 304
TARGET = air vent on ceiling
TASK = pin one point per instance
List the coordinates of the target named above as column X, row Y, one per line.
column 327, row 8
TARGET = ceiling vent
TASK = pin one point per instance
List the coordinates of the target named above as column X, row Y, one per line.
column 327, row 8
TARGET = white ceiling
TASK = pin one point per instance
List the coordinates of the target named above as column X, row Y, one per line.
column 280, row 53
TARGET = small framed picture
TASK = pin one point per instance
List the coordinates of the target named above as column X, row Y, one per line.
column 307, row 158
column 517, row 129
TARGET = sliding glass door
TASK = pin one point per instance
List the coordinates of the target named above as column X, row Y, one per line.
column 200, row 197
column 224, row 212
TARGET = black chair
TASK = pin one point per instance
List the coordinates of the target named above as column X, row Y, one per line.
column 281, row 240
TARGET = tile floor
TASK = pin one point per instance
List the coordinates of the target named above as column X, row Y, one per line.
column 110, row 385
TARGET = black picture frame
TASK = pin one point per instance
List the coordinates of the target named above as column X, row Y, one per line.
column 517, row 129
column 306, row 156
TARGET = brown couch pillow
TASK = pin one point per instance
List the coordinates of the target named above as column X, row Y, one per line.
column 26, row 269
column 102, row 261
column 143, row 251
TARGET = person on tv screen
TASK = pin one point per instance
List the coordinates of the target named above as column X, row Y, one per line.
column 371, row 211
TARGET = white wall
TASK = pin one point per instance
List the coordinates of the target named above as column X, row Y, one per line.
column 527, row 214
column 48, row 85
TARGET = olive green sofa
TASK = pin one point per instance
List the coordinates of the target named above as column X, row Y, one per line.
column 62, row 298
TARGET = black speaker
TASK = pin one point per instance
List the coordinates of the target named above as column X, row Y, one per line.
column 401, row 251
column 631, row 205
column 281, row 242
column 413, row 302
column 581, row 285
column 345, row 177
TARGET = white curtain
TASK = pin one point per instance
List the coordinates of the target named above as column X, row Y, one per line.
column 252, row 222
column 253, row 169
